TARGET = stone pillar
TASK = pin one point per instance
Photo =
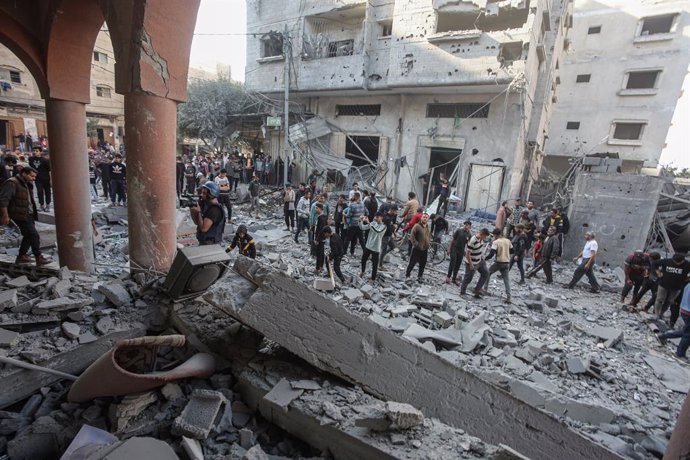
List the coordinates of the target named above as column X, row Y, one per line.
column 150, row 143
column 70, row 180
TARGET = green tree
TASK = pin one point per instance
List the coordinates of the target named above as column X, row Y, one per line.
column 674, row 171
column 210, row 111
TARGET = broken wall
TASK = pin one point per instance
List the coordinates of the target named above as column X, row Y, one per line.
column 497, row 137
column 618, row 208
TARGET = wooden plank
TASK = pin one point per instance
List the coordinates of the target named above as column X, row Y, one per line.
column 22, row 383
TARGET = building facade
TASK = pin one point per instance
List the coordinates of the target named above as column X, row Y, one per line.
column 22, row 109
column 620, row 81
column 455, row 89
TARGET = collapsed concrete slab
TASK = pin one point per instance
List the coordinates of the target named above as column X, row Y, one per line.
column 338, row 341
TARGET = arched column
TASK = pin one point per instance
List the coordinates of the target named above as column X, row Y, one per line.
column 70, row 171
column 150, row 141
column 152, row 41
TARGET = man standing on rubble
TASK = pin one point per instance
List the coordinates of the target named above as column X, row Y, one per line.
column 410, row 208
column 390, row 221
column 374, row 242
column 457, row 250
column 336, row 254
column 42, row 165
column 17, row 203
column 224, row 186
column 549, row 251
column 420, row 241
column 303, row 209
column 672, row 274
column 118, row 173
column 500, row 248
column 586, row 260
column 635, row 267
column 474, row 256
column 208, row 216
column 352, row 215
column 254, row 189
column 514, row 218
column 318, row 243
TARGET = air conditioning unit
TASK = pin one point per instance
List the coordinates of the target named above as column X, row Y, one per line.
column 194, row 270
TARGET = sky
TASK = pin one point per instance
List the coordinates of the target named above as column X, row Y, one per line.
column 227, row 19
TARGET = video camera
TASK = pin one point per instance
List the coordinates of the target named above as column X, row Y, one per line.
column 188, row 201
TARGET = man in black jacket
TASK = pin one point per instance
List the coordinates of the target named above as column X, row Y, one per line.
column 548, row 253
column 457, row 250
column 42, row 165
column 336, row 254
column 319, row 238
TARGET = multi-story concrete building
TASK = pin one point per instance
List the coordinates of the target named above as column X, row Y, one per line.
column 620, row 81
column 22, row 109
column 462, row 87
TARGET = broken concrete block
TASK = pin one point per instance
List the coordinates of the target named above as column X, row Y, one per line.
column 535, row 347
column 352, row 295
column 535, row 305
column 8, row 338
column 172, row 391
column 8, row 299
column 105, row 325
column 70, row 330
column 246, row 438
column 87, row 337
column 536, row 294
column 525, row 354
column 442, row 319
column 192, row 448
column 610, row 335
column 283, row 394
column 149, row 448
column 420, row 333
column 577, row 365
column 551, row 302
column 61, row 288
column 311, row 385
column 128, row 408
column 324, row 284
column 19, row 282
column 403, row 415
column 115, row 293
column 199, row 414
column 255, row 453
column 61, row 304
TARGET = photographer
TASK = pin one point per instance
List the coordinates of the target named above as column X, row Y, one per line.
column 208, row 215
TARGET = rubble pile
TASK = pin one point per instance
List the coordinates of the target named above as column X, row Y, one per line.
column 572, row 354
column 577, row 355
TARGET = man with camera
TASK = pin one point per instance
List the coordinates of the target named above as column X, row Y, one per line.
column 208, row 215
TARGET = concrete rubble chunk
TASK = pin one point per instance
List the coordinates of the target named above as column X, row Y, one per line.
column 674, row 376
column 87, row 337
column 305, row 385
column 8, row 299
column 148, row 448
column 71, row 330
column 442, row 319
column 418, row 332
column 352, row 295
column 60, row 304
column 551, row 302
column 62, row 288
column 199, row 415
column 282, row 394
column 65, row 274
column 128, row 408
column 105, row 325
column 577, row 365
column 403, row 415
column 8, row 338
column 324, row 284
column 116, row 293
column 172, row 391
column 192, row 448
column 255, row 453
column 611, row 336
column 19, row 282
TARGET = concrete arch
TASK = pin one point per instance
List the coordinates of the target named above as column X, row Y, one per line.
column 73, row 27
column 26, row 47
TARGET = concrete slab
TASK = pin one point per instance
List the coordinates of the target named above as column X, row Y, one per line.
column 338, row 341
column 283, row 394
column 8, row 299
column 674, row 376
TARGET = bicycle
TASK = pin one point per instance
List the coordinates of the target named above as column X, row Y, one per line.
column 437, row 252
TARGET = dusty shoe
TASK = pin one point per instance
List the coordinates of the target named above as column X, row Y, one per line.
column 43, row 260
column 24, row 259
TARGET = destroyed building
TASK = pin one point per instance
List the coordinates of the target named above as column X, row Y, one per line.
column 395, row 89
column 619, row 82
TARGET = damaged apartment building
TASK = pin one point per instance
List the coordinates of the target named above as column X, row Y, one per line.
column 620, row 82
column 388, row 91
